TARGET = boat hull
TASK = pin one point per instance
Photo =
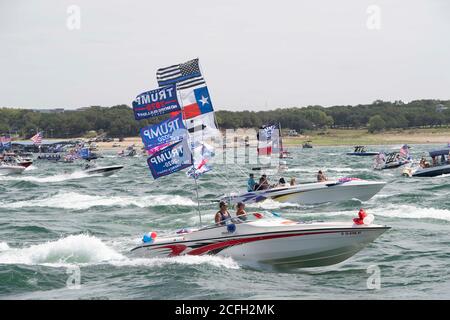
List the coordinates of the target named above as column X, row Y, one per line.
column 432, row 171
column 293, row 245
column 105, row 171
column 392, row 165
column 7, row 170
column 314, row 193
column 362, row 154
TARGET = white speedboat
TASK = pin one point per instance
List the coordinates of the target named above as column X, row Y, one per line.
column 272, row 241
column 314, row 193
column 6, row 169
column 439, row 165
column 105, row 171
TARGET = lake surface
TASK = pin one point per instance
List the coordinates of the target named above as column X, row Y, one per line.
column 55, row 220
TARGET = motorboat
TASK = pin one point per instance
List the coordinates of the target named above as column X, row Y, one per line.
column 15, row 159
column 105, row 171
column 313, row 193
column 390, row 161
column 6, row 169
column 361, row 151
column 273, row 241
column 439, row 165
column 307, row 145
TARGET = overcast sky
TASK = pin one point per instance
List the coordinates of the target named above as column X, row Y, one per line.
column 254, row 54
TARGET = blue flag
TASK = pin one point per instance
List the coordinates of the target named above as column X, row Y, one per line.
column 163, row 133
column 5, row 142
column 156, row 102
column 171, row 159
column 84, row 153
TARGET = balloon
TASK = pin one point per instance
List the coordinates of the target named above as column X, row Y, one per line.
column 146, row 238
column 231, row 227
column 368, row 219
column 258, row 215
column 153, row 235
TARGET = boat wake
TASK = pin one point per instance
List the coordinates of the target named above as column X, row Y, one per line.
column 315, row 170
column 78, row 201
column 400, row 212
column 86, row 250
column 55, row 178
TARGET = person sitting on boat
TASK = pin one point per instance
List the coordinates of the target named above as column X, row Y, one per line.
column 281, row 182
column 293, row 182
column 435, row 161
column 222, row 215
column 321, row 176
column 263, row 183
column 240, row 212
column 251, row 183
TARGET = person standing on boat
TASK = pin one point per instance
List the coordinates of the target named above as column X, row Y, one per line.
column 222, row 215
column 251, row 183
column 321, row 176
column 240, row 212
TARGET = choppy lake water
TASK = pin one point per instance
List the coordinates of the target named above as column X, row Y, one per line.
column 54, row 218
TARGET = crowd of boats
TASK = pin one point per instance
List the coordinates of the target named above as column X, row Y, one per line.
column 266, row 237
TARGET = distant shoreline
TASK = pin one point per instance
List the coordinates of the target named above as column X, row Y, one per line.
column 330, row 137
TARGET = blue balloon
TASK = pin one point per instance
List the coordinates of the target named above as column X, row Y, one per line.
column 231, row 227
column 146, row 238
column 276, row 214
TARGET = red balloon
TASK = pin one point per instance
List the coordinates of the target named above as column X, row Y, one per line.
column 153, row 235
column 362, row 214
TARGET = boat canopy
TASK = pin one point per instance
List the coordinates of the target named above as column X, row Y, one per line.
column 436, row 153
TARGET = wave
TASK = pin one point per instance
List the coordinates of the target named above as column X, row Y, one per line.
column 55, row 178
column 3, row 246
column 85, row 250
column 77, row 201
column 315, row 170
column 72, row 249
column 397, row 211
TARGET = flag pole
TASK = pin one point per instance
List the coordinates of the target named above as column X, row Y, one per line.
column 192, row 158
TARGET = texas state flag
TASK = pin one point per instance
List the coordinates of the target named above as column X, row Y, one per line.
column 195, row 102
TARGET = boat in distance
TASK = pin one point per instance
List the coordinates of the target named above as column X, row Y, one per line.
column 6, row 169
column 440, row 165
column 105, row 171
column 276, row 242
column 313, row 193
column 361, row 151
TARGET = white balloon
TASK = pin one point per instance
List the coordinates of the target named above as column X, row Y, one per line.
column 368, row 219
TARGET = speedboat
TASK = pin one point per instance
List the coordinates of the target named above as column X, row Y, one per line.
column 440, row 165
column 105, row 171
column 6, row 169
column 390, row 161
column 276, row 242
column 14, row 159
column 313, row 193
column 361, row 151
column 307, row 145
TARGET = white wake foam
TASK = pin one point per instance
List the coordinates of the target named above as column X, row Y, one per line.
column 80, row 248
column 55, row 178
column 87, row 250
column 77, row 201
column 397, row 211
column 3, row 246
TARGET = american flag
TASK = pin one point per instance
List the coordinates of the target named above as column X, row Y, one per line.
column 185, row 75
column 5, row 141
column 404, row 151
column 37, row 138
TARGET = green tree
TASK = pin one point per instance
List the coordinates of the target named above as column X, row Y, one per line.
column 376, row 124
